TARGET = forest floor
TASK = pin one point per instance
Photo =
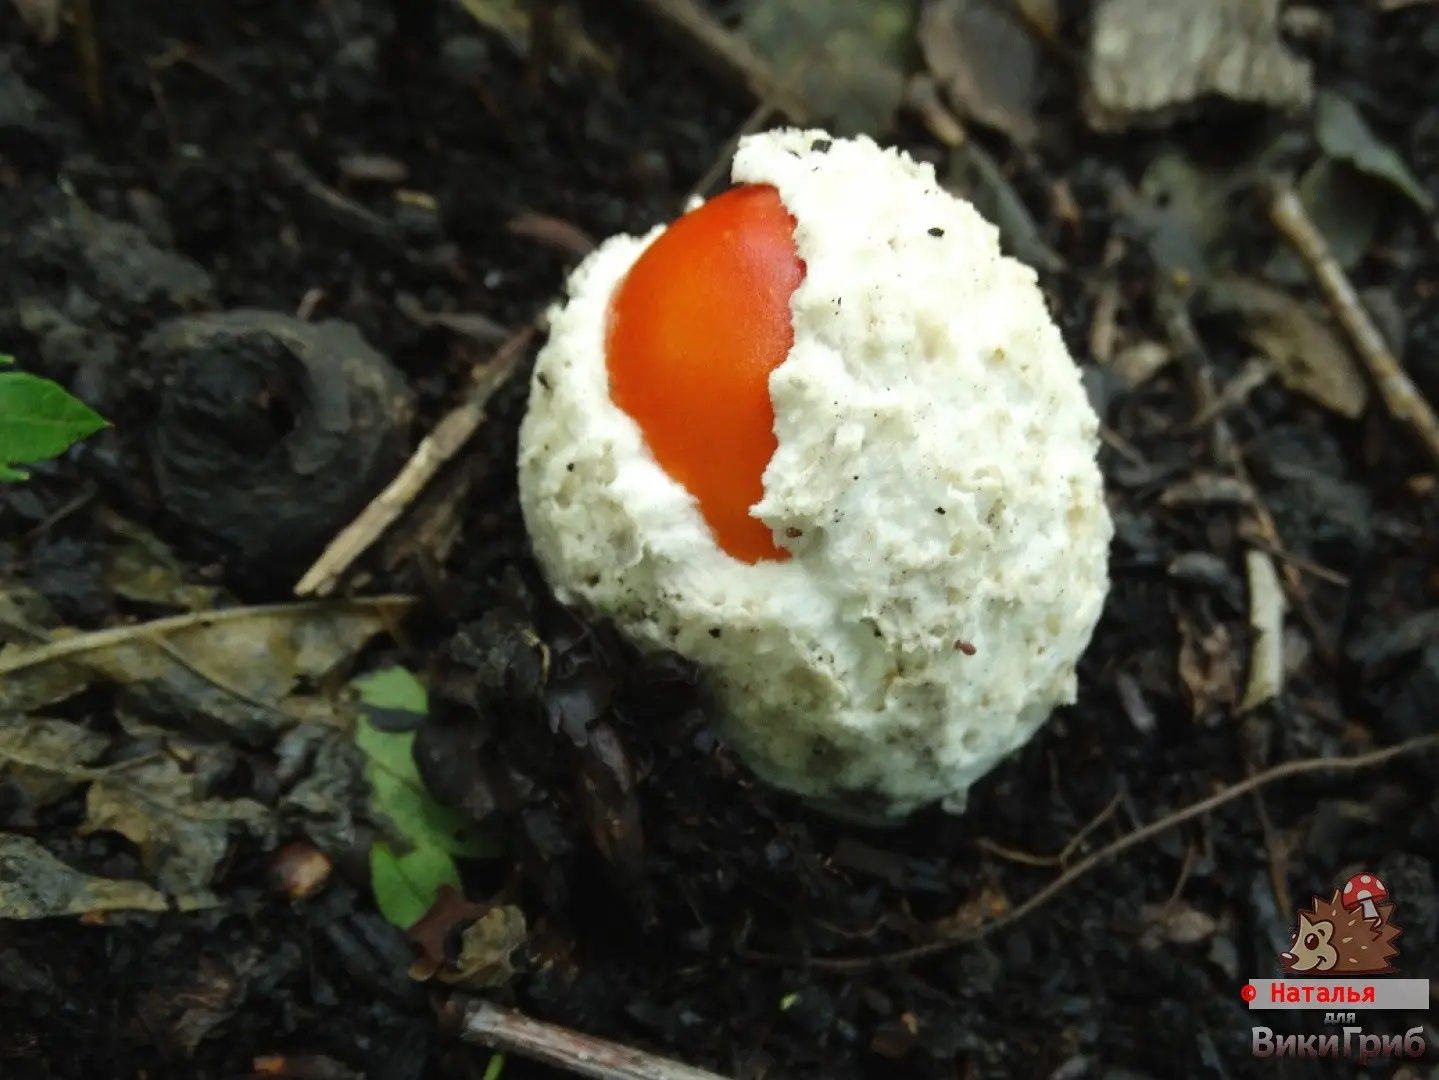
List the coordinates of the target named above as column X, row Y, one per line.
column 275, row 244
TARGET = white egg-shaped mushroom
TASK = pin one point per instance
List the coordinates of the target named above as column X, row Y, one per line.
column 933, row 484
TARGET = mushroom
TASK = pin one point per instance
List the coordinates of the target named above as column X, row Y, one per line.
column 805, row 434
column 1365, row 891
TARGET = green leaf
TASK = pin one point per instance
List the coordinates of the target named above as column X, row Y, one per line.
column 397, row 791
column 1344, row 134
column 405, row 885
column 393, row 688
column 40, row 419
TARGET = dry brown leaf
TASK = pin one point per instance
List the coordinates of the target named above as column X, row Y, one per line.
column 34, row 884
column 487, row 946
column 430, row 935
column 1207, row 666
column 1139, row 362
column 1175, row 923
column 159, row 807
column 1307, row 352
column 986, row 62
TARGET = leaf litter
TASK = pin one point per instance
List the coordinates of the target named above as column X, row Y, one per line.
column 756, row 902
column 184, row 687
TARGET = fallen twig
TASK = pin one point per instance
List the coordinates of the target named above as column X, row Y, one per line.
column 1250, row 784
column 727, row 54
column 1400, row 395
column 561, row 1048
column 77, row 646
column 442, row 444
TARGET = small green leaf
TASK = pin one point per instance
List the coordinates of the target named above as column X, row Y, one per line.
column 405, row 886
column 393, row 688
column 397, row 791
column 494, row 1067
column 40, row 419
column 1344, row 134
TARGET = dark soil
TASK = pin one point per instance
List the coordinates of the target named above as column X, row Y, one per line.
column 673, row 905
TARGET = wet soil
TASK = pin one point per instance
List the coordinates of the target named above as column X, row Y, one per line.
column 260, row 156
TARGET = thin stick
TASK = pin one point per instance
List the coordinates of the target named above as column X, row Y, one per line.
column 442, row 444
column 561, row 1048
column 1400, row 395
column 727, row 54
column 1254, row 782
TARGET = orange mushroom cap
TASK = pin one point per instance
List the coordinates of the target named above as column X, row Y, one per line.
column 695, row 329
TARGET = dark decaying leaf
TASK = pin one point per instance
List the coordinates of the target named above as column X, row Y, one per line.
column 320, row 773
column 501, row 656
column 181, row 1015
column 45, row 760
column 986, row 61
column 34, row 884
column 182, row 834
column 583, row 679
column 1345, row 135
column 608, row 801
column 141, row 567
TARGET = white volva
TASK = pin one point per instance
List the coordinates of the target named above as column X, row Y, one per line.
column 935, row 484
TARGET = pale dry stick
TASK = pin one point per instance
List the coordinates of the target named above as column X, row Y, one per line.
column 562, row 1048
column 1254, row 782
column 75, row 648
column 438, row 447
column 1401, row 396
column 727, row 54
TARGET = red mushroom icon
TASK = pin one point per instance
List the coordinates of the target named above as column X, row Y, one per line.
column 1366, row 891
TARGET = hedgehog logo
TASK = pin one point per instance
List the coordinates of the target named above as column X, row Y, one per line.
column 1351, row 933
